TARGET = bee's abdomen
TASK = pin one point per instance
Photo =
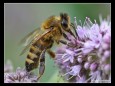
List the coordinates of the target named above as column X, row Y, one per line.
column 32, row 59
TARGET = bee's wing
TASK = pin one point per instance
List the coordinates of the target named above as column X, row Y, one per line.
column 26, row 48
column 34, row 39
column 28, row 39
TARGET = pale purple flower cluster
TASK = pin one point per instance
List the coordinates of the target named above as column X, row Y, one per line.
column 20, row 76
column 89, row 61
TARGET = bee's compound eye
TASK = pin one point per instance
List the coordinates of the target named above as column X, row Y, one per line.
column 64, row 24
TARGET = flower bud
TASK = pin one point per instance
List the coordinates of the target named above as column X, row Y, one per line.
column 103, row 59
column 90, row 59
column 86, row 65
column 105, row 46
column 106, row 38
column 107, row 68
column 93, row 66
column 107, row 54
column 79, row 60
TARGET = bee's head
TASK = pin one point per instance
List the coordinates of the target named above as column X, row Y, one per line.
column 65, row 21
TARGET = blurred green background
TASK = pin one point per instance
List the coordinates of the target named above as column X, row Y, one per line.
column 20, row 19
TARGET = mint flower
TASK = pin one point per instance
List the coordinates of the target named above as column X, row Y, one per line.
column 20, row 76
column 89, row 61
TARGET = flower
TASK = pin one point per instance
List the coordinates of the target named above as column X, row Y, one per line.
column 20, row 76
column 89, row 60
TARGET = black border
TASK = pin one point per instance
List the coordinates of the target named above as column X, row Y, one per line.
column 72, row 1
column 57, row 1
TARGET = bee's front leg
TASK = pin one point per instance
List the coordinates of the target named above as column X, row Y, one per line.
column 74, row 28
column 65, row 36
column 66, row 43
column 42, row 64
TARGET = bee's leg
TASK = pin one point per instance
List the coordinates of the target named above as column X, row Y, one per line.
column 42, row 64
column 69, row 31
column 74, row 27
column 65, row 36
column 66, row 43
column 63, row 42
column 51, row 53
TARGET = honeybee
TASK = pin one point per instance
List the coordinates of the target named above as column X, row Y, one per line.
column 51, row 30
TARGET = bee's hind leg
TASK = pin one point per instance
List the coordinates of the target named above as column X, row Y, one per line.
column 42, row 64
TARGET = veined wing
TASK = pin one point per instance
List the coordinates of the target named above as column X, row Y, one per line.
column 28, row 39
column 26, row 48
column 35, row 38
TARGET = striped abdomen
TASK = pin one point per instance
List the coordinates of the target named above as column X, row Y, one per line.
column 32, row 60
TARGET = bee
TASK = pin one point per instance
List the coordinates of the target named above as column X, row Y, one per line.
column 51, row 30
